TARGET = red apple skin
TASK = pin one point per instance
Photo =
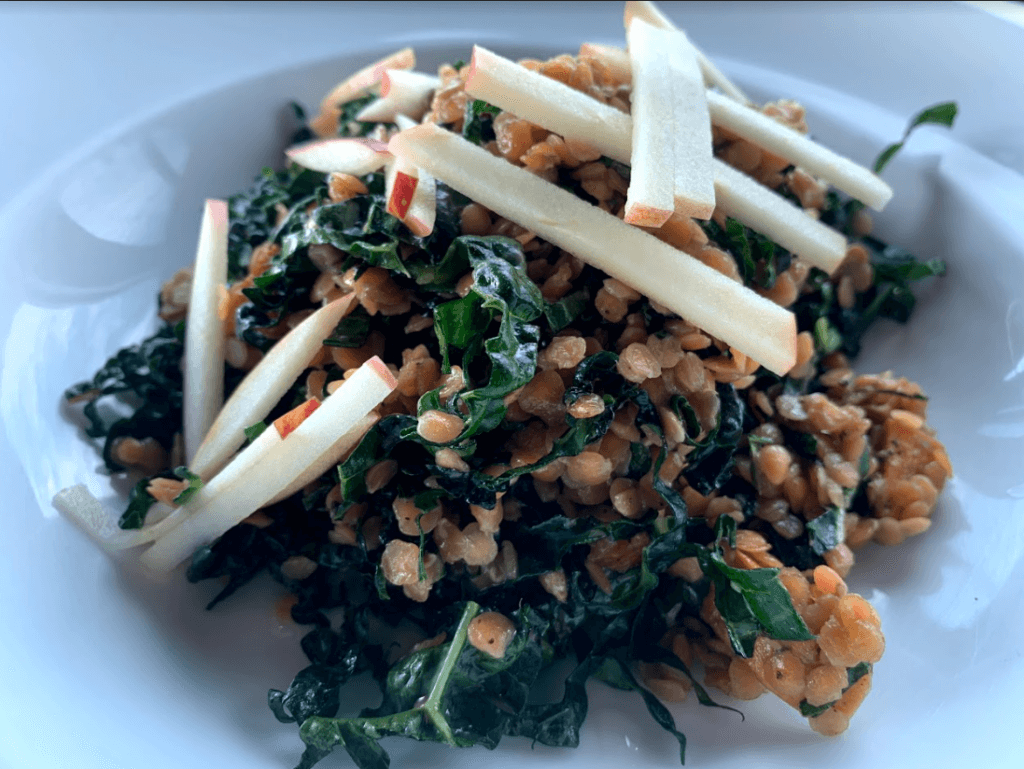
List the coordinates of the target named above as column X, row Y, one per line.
column 367, row 78
column 472, row 66
column 646, row 216
column 401, row 194
column 342, row 154
column 377, row 146
column 286, row 424
column 381, row 370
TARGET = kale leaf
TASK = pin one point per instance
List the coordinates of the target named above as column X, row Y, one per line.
column 448, row 693
column 501, row 291
column 760, row 260
column 752, row 601
column 827, row 531
column 253, row 214
column 148, row 373
column 478, row 126
column 710, row 464
column 139, row 502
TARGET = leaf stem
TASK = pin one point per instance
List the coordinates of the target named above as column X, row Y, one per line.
column 432, row 706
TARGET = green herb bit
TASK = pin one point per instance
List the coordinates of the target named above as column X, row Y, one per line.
column 828, row 530
column 139, row 502
column 478, row 125
column 252, row 432
column 940, row 114
column 194, row 484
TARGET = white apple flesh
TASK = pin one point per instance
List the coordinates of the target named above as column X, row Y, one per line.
column 401, row 93
column 757, row 128
column 641, row 9
column 330, row 430
column 722, row 307
column 357, row 157
column 650, row 199
column 573, row 114
column 266, row 384
column 203, row 385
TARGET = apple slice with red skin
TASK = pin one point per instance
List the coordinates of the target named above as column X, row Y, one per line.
column 423, row 211
column 287, row 423
column 365, row 79
column 357, row 157
column 401, row 183
column 359, row 84
column 401, row 93
column 272, row 465
column 412, row 197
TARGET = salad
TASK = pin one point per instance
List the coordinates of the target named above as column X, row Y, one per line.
column 525, row 362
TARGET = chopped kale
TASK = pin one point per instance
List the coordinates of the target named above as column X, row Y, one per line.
column 759, row 259
column 139, row 502
column 253, row 213
column 148, row 373
column 478, row 126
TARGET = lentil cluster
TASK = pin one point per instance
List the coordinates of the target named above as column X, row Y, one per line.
column 868, row 432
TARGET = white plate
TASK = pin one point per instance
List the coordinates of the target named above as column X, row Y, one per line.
column 99, row 669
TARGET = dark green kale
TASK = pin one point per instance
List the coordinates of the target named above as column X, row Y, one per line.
column 711, row 462
column 139, row 502
column 149, row 374
column 449, row 693
column 502, row 293
column 478, row 126
column 253, row 213
column 827, row 531
column 563, row 312
column 760, row 260
column 351, row 331
column 302, row 134
column 890, row 296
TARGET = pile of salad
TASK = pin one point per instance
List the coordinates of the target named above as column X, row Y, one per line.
column 526, row 362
